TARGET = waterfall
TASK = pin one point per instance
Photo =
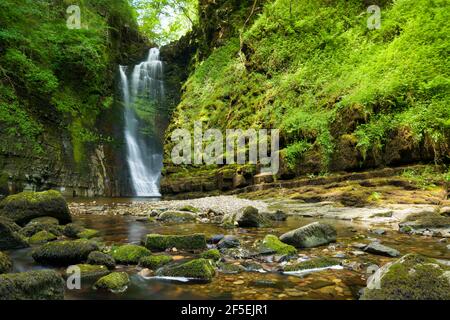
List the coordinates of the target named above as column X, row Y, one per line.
column 144, row 95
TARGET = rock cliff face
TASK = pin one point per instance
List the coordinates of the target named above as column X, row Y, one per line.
column 60, row 117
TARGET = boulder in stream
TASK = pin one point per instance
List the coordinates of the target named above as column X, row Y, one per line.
column 248, row 217
column 199, row 269
column 311, row 235
column 271, row 244
column 412, row 277
column 33, row 285
column 64, row 253
column 9, row 235
column 129, row 254
column 177, row 216
column 229, row 241
column 89, row 271
column 160, row 242
column 116, row 282
column 25, row 206
column 154, row 262
column 315, row 263
column 42, row 237
column 379, row 249
column 100, row 258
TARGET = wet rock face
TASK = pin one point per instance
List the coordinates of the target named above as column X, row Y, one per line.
column 9, row 235
column 312, row 235
column 25, row 206
column 412, row 277
column 33, row 285
column 64, row 253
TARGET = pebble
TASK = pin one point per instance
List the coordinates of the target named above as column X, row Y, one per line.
column 239, row 282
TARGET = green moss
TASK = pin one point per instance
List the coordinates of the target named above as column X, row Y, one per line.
column 413, row 277
column 314, row 263
column 88, row 271
column 155, row 261
column 129, row 253
column 230, row 268
column 176, row 216
column 100, row 258
column 42, row 237
column 64, row 253
column 183, row 242
column 5, row 263
column 189, row 208
column 212, row 254
column 115, row 282
column 201, row 269
column 272, row 242
column 88, row 234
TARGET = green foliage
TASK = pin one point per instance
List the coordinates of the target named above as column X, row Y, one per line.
column 299, row 68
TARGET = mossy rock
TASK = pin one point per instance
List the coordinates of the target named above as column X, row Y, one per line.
column 42, row 237
column 100, row 258
column 189, row 208
column 33, row 285
column 129, row 254
column 426, row 221
column 248, row 217
column 177, row 216
column 9, row 236
column 64, row 253
column 32, row 228
column 200, row 269
column 154, row 262
column 230, row 268
column 89, row 271
column 160, row 242
column 212, row 254
column 412, row 277
column 72, row 230
column 44, row 220
column 271, row 244
column 312, row 235
column 25, row 206
column 88, row 234
column 316, row 263
column 5, row 263
column 116, row 282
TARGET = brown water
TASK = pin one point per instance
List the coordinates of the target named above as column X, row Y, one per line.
column 328, row 284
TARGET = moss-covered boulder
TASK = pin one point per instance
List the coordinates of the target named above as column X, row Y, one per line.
column 230, row 268
column 5, row 263
column 129, row 254
column 42, row 237
column 72, row 230
column 116, row 282
column 88, row 234
column 212, row 254
column 34, row 227
column 189, row 208
column 200, row 269
column 154, row 262
column 100, row 258
column 9, row 235
column 315, row 263
column 248, row 217
column 271, row 244
column 311, row 235
column 88, row 271
column 25, row 206
column 177, row 216
column 44, row 220
column 64, row 253
column 33, row 285
column 412, row 277
column 160, row 242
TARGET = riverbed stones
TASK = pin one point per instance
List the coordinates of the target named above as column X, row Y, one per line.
column 100, row 258
column 229, row 241
column 177, row 217
column 115, row 282
column 382, row 250
column 311, row 235
column 129, row 254
column 247, row 217
column 154, row 262
column 158, row 242
column 412, row 277
column 25, row 206
column 199, row 269
column 64, row 253
column 9, row 235
column 5, row 263
column 271, row 244
column 33, row 285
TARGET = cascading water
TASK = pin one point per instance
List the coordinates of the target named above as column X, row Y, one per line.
column 144, row 95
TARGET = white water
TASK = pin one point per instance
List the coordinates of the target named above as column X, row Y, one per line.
column 145, row 91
